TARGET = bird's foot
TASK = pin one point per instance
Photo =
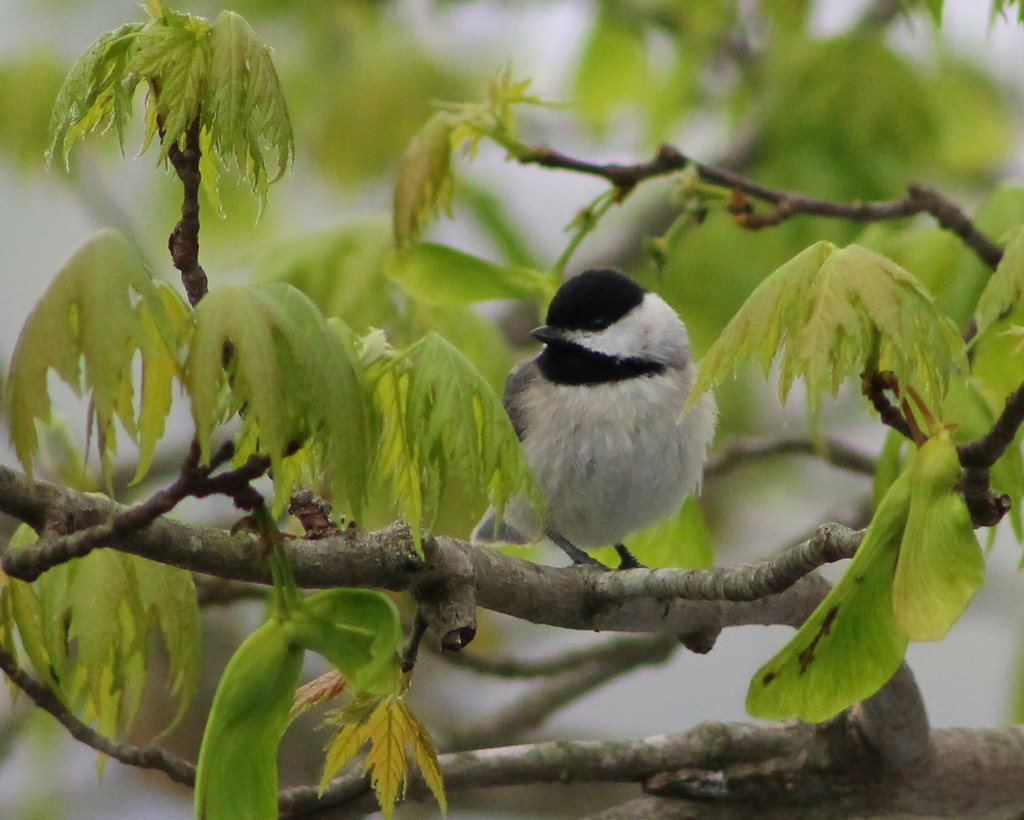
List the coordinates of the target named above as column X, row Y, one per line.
column 626, row 559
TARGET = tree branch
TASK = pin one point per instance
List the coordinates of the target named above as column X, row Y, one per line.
column 752, row 448
column 618, row 657
column 737, row 771
column 643, row 600
column 524, row 668
column 183, row 242
column 919, row 199
column 146, row 757
column 61, row 541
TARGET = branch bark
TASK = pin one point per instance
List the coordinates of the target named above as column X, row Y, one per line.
column 663, row 600
column 735, row 771
column 183, row 242
column 785, row 204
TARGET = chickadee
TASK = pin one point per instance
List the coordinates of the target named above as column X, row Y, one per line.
column 599, row 414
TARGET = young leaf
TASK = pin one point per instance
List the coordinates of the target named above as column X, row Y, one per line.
column 244, row 108
column 292, row 375
column 236, row 778
column 86, row 628
column 87, row 327
column 424, row 182
column 830, row 311
column 438, row 274
column 168, row 598
column 217, row 77
column 850, row 645
column 1004, row 289
column 357, row 630
column 93, row 94
column 940, row 565
column 440, row 423
column 390, row 726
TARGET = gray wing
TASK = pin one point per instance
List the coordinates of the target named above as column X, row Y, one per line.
column 515, row 384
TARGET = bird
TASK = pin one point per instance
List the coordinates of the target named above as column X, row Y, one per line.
column 599, row 412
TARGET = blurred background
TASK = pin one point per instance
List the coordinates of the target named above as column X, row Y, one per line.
column 836, row 99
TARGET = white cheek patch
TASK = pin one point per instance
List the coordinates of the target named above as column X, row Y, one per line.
column 652, row 331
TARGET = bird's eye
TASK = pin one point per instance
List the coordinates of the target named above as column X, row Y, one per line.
column 599, row 324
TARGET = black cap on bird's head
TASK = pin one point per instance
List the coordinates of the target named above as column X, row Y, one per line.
column 593, row 300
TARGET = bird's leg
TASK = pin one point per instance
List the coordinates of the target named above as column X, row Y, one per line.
column 626, row 559
column 577, row 555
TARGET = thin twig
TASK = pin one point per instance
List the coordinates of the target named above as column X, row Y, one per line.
column 146, row 757
column 512, row 668
column 194, row 480
column 183, row 242
column 919, row 199
column 873, row 385
column 533, row 708
column 744, row 449
column 979, row 456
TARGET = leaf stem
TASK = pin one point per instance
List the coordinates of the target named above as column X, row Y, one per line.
column 584, row 224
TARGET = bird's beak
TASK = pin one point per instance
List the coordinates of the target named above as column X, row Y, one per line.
column 547, row 334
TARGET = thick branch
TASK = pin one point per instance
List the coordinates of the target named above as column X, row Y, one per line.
column 576, row 598
column 919, row 198
column 738, row 771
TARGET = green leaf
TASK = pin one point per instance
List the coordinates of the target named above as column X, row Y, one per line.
column 168, row 596
column 244, row 108
column 339, row 270
column 87, row 327
column 850, row 645
column 934, row 8
column 680, row 541
column 218, row 77
column 86, row 627
column 93, row 94
column 424, row 182
column 292, row 375
column 1003, row 291
column 359, row 632
column 439, row 274
column 440, row 423
column 236, row 778
column 158, row 368
column 940, row 565
column 829, row 313
column 390, row 725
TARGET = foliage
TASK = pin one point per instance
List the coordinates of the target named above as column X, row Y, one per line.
column 360, row 364
column 217, row 76
column 834, row 313
column 100, row 310
column 389, row 726
column 911, row 579
column 87, row 626
column 359, row 632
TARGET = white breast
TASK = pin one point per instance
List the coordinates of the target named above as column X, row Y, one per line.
column 613, row 457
